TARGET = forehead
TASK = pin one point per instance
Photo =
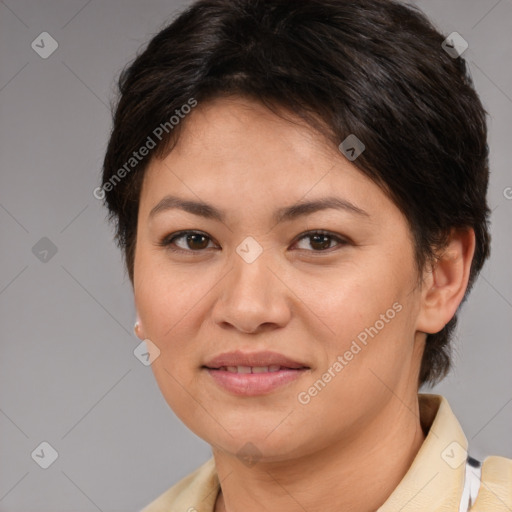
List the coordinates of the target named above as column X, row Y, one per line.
column 233, row 126
column 236, row 152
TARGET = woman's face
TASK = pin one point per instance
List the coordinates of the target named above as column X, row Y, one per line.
column 341, row 305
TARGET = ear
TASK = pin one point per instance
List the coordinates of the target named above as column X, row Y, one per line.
column 445, row 283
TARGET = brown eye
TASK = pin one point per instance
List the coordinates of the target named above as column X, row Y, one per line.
column 187, row 241
column 196, row 241
column 320, row 241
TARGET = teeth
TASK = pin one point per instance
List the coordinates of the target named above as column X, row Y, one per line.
column 259, row 369
column 251, row 369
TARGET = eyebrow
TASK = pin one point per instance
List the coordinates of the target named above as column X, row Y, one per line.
column 284, row 214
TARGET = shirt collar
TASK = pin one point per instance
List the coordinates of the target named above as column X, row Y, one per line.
column 435, row 479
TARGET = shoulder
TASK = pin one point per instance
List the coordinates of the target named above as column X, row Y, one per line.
column 495, row 494
column 193, row 493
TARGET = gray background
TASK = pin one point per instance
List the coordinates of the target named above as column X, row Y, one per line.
column 68, row 375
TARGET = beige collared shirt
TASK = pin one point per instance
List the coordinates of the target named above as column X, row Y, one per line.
column 433, row 483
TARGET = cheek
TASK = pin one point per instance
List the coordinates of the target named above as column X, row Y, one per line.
column 165, row 304
column 342, row 303
column 166, row 296
column 366, row 364
column 365, row 314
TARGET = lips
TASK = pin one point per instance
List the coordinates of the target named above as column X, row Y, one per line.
column 253, row 374
column 255, row 362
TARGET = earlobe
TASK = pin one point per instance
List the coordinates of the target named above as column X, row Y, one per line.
column 445, row 283
column 137, row 328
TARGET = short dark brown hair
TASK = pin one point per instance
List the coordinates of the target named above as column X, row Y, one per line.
column 372, row 68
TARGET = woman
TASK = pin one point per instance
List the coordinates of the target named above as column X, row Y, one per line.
column 299, row 190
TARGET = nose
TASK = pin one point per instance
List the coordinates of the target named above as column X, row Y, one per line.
column 252, row 297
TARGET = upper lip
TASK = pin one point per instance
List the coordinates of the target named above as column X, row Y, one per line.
column 239, row 358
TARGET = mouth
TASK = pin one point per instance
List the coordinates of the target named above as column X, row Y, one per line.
column 261, row 361
column 254, row 369
column 253, row 374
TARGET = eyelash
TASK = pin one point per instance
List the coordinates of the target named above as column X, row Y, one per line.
column 170, row 239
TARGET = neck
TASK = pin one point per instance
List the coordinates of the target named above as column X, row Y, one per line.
column 357, row 474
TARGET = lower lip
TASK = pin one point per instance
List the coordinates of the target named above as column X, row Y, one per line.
column 253, row 384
